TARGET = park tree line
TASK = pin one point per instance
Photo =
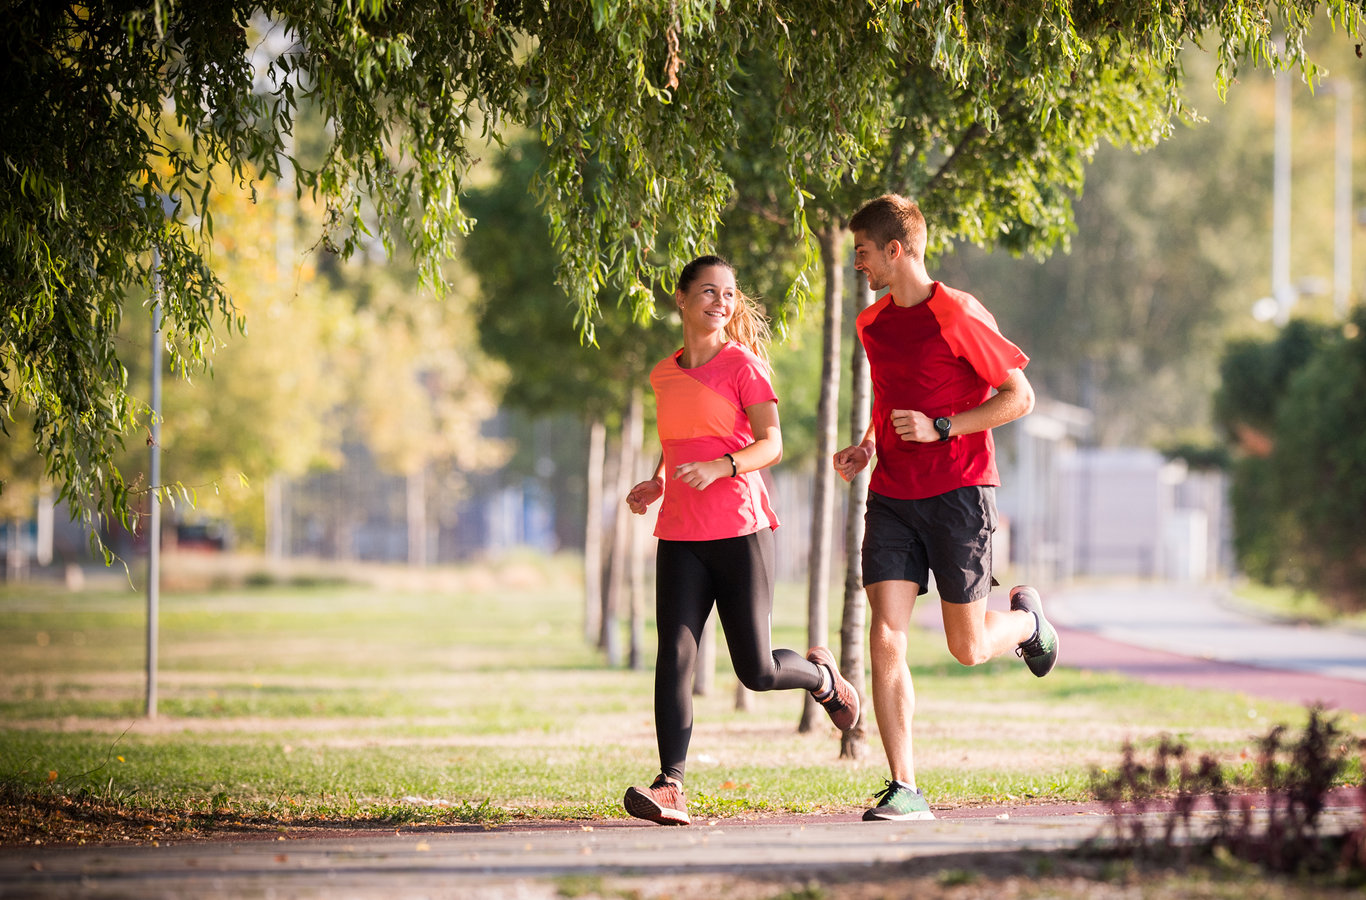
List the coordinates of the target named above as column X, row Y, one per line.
column 329, row 354
column 121, row 120
column 659, row 131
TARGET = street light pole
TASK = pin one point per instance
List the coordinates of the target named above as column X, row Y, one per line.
column 168, row 209
column 1341, row 89
column 1281, row 290
column 154, row 469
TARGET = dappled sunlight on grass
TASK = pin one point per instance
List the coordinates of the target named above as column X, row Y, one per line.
column 348, row 698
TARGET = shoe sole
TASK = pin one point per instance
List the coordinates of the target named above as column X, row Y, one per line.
column 643, row 806
column 1026, row 598
column 873, row 815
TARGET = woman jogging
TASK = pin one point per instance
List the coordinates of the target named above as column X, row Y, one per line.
column 718, row 427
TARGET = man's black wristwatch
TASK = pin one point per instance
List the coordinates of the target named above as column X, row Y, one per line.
column 942, row 425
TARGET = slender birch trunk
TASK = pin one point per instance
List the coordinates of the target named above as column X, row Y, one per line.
column 854, row 742
column 823, row 496
column 592, row 540
column 628, row 450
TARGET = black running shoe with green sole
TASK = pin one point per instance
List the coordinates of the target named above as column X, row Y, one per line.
column 1039, row 652
column 899, row 803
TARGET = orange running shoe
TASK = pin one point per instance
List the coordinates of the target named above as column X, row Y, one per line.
column 661, row 802
column 842, row 703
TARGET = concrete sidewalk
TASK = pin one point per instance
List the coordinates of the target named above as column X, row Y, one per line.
column 528, row 861
column 1192, row 634
column 516, row 862
column 1201, row 621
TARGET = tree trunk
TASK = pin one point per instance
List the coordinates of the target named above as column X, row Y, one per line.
column 636, row 538
column 276, row 538
column 628, row 450
column 417, row 518
column 638, row 545
column 42, row 553
column 854, row 742
column 610, row 510
column 823, row 495
column 14, row 557
column 344, row 506
column 592, row 541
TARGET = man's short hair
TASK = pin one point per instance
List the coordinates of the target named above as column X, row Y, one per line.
column 892, row 217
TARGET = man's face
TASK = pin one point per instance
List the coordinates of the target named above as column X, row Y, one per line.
column 872, row 261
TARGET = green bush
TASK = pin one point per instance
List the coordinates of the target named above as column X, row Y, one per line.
column 1321, row 446
column 1295, row 406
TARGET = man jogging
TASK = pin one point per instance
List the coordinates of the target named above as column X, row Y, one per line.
column 943, row 376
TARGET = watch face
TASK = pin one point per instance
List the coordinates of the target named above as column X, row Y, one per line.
column 942, row 425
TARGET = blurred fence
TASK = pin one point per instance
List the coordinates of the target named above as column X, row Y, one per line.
column 1067, row 511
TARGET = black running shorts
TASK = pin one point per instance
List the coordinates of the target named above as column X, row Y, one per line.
column 950, row 535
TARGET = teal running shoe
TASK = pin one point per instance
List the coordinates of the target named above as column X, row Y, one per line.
column 1039, row 652
column 899, row 803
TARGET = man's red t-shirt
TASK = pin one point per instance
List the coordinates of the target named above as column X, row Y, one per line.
column 942, row 356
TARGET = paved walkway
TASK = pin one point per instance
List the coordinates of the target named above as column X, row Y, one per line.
column 1191, row 634
column 1181, row 634
column 521, row 861
column 514, row 862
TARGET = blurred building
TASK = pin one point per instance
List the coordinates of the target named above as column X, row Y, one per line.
column 1074, row 511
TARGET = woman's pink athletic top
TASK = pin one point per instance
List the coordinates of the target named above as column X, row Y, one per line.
column 701, row 415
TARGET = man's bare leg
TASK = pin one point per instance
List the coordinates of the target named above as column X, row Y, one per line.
column 976, row 634
column 890, row 604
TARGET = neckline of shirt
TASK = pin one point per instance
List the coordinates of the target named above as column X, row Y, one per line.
column 677, row 358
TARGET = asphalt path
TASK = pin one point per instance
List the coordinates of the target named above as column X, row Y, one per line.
column 516, row 862
column 528, row 861
column 1194, row 635
column 1178, row 634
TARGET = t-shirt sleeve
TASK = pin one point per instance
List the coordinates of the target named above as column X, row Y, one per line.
column 752, row 384
column 977, row 339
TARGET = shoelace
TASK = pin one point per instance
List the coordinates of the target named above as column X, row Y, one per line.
column 662, row 783
column 885, row 793
column 833, row 702
column 1032, row 645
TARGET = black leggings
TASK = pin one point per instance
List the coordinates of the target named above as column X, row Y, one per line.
column 737, row 575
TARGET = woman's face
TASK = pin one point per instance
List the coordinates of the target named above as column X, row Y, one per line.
column 709, row 301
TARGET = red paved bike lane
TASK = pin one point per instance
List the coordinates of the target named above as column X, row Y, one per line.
column 1084, row 650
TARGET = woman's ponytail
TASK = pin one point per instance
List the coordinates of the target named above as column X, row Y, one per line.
column 749, row 326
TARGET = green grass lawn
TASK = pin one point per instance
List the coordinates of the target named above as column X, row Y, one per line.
column 480, row 700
